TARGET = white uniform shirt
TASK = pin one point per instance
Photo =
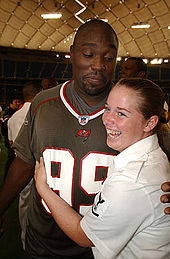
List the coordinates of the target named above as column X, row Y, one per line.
column 127, row 219
column 16, row 121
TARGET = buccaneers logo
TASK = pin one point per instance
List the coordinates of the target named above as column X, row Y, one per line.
column 83, row 133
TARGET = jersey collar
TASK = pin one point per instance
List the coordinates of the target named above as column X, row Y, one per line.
column 72, row 109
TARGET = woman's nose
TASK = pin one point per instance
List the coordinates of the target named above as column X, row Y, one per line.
column 108, row 118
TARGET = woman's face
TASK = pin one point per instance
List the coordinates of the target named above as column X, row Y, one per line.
column 124, row 123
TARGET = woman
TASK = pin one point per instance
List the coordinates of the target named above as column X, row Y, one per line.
column 126, row 219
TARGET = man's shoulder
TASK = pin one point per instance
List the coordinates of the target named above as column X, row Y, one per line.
column 44, row 97
column 48, row 94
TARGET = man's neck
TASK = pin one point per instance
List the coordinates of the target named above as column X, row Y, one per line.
column 92, row 100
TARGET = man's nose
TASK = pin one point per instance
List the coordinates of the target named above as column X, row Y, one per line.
column 98, row 64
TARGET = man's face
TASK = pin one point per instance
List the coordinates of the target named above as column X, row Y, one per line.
column 15, row 104
column 128, row 69
column 93, row 58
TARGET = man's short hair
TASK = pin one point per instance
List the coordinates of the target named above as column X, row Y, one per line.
column 95, row 20
column 30, row 89
column 141, row 65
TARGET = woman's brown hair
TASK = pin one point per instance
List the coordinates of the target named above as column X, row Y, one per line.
column 150, row 94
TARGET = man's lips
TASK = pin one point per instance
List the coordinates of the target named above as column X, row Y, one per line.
column 94, row 79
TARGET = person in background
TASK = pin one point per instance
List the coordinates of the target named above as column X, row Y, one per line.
column 127, row 219
column 65, row 123
column 14, row 104
column 30, row 90
column 133, row 67
column 48, row 82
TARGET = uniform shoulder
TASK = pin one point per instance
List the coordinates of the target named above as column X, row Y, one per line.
column 46, row 95
column 156, row 168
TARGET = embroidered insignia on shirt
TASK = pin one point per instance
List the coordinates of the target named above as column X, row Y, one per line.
column 83, row 134
column 95, row 207
column 83, row 120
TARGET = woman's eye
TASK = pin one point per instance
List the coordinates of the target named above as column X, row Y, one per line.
column 121, row 114
column 106, row 108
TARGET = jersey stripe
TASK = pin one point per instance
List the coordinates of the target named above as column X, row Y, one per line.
column 44, row 102
column 72, row 110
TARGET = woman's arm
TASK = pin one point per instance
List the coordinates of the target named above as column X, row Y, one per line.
column 66, row 218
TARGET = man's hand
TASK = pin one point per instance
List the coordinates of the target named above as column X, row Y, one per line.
column 165, row 198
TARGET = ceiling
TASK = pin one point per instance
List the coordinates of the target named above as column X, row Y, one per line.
column 21, row 25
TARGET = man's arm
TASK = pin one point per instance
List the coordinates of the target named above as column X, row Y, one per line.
column 166, row 197
column 19, row 175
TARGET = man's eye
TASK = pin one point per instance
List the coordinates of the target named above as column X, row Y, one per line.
column 88, row 55
column 109, row 58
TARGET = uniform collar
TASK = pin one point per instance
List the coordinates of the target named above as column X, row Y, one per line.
column 136, row 152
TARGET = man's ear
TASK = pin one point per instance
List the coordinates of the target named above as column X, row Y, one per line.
column 151, row 123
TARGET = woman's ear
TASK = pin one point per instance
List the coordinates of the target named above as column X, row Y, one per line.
column 151, row 123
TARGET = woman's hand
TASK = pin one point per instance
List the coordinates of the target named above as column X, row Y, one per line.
column 41, row 177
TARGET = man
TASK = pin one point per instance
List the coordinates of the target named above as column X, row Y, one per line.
column 14, row 104
column 64, row 124
column 30, row 90
column 48, row 82
column 133, row 67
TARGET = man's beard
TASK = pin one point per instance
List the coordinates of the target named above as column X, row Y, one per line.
column 93, row 90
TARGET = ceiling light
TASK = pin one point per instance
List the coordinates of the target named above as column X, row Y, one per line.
column 156, row 61
column 169, row 27
column 81, row 10
column 104, row 19
column 145, row 60
column 140, row 25
column 67, row 56
column 51, row 15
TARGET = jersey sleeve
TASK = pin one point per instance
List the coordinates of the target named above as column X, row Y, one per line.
column 23, row 142
column 118, row 212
